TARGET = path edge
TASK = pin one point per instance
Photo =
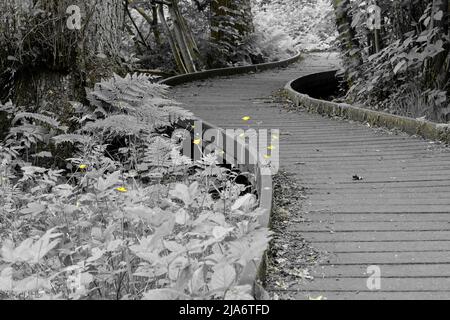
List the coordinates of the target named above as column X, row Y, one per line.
column 263, row 183
column 213, row 73
column 423, row 128
column 253, row 272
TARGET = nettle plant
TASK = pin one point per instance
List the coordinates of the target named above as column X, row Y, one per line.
column 129, row 217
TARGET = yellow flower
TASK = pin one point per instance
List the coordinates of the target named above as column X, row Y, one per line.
column 197, row 141
column 246, row 118
column 122, row 189
column 270, row 148
column 82, row 166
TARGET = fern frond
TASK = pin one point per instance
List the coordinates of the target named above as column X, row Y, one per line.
column 137, row 95
column 119, row 124
column 159, row 152
column 177, row 113
column 8, row 107
column 36, row 116
column 71, row 138
column 30, row 132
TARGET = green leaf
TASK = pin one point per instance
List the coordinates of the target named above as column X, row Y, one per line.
column 400, row 66
column 181, row 192
column 182, row 217
column 165, row 294
column 220, row 232
column 110, row 181
column 39, row 117
column 29, row 250
column 240, row 293
column 197, row 281
column 31, row 283
column 223, row 277
column 244, row 202
column 33, row 208
column 6, row 279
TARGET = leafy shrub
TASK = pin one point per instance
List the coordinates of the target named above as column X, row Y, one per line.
column 271, row 40
column 408, row 75
column 309, row 23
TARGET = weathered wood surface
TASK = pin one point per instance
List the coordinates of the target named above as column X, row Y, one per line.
column 398, row 217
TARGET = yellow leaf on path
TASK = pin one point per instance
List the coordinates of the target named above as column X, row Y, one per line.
column 122, row 189
column 246, row 118
column 197, row 141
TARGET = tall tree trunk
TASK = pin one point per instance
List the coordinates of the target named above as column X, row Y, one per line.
column 378, row 43
column 185, row 43
column 182, row 43
column 51, row 59
column 156, row 33
column 173, row 45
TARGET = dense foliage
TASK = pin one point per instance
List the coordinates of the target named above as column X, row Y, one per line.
column 402, row 67
column 309, row 24
column 128, row 217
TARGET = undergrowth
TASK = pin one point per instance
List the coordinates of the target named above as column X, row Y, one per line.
column 126, row 215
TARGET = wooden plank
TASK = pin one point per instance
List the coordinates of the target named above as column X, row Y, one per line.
column 387, row 285
column 328, row 226
column 384, row 246
column 352, row 295
column 390, row 258
column 377, row 236
column 387, row 218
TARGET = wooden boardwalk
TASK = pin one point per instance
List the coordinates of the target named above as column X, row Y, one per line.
column 397, row 217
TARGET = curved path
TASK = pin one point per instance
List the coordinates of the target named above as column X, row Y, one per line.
column 397, row 217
